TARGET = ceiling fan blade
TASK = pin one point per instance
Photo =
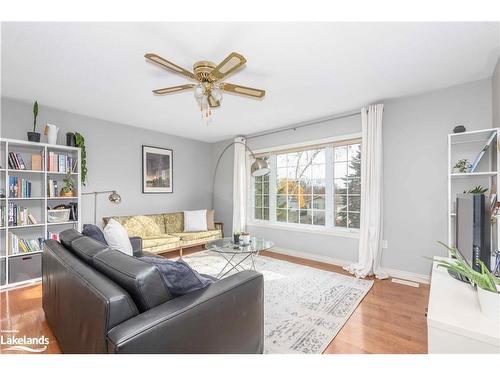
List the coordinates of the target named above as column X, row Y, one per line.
column 247, row 91
column 212, row 102
column 169, row 65
column 169, row 90
column 229, row 65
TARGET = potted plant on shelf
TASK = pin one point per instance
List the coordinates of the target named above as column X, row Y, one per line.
column 476, row 190
column 68, row 189
column 34, row 136
column 486, row 283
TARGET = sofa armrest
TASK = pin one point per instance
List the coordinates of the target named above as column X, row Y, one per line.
column 136, row 243
column 220, row 226
column 225, row 317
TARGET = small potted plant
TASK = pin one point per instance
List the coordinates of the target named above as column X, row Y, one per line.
column 69, row 186
column 486, row 283
column 236, row 237
column 34, row 136
column 462, row 165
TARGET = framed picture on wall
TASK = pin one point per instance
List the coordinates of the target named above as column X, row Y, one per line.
column 157, row 170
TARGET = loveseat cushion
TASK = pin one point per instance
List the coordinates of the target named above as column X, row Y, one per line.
column 69, row 235
column 83, row 247
column 174, row 222
column 165, row 239
column 193, row 236
column 141, row 280
column 142, row 225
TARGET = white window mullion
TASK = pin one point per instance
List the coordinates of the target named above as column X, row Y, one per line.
column 272, row 188
column 329, row 191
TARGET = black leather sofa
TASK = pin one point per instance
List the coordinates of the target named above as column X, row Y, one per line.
column 98, row 300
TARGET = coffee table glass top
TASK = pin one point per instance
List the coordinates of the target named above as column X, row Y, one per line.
column 226, row 245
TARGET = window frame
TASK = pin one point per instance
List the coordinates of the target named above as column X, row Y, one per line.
column 329, row 228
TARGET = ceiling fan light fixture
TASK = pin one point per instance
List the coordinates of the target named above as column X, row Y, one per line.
column 209, row 76
column 216, row 93
column 199, row 91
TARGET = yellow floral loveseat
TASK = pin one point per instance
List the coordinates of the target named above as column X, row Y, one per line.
column 161, row 233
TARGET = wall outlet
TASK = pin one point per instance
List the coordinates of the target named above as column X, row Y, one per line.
column 385, row 244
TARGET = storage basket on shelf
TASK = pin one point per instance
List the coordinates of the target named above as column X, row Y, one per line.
column 58, row 216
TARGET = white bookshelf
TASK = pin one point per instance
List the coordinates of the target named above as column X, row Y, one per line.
column 37, row 203
column 468, row 145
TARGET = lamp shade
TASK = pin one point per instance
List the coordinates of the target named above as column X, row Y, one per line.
column 260, row 167
column 114, row 197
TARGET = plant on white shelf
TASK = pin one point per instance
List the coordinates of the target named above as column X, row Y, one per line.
column 476, row 190
column 485, row 281
column 462, row 165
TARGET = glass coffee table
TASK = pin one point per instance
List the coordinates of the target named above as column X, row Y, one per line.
column 236, row 254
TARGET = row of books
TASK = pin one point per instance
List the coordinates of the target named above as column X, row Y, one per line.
column 52, row 189
column 18, row 245
column 17, row 215
column 16, row 161
column 61, row 163
column 19, row 187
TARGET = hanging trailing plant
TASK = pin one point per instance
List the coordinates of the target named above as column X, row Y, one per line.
column 80, row 142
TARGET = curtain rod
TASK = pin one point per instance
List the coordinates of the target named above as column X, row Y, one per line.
column 305, row 124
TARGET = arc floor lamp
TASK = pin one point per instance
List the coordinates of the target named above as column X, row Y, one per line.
column 260, row 166
column 113, row 197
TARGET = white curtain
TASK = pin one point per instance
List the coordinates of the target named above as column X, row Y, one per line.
column 239, row 186
column 370, row 237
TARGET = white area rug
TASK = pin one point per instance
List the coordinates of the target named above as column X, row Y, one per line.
column 304, row 307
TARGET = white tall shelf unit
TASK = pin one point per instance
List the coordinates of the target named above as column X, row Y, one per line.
column 41, row 198
column 468, row 145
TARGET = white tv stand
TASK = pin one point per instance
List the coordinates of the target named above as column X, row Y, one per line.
column 455, row 323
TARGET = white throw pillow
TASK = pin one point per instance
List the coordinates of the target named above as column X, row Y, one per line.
column 195, row 221
column 117, row 237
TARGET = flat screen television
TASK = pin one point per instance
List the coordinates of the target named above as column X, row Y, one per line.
column 473, row 229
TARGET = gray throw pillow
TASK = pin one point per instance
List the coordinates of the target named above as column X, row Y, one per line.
column 179, row 277
column 93, row 231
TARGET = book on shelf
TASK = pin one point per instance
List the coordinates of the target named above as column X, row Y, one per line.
column 31, row 219
column 16, row 161
column 19, row 187
column 37, row 162
column 19, row 245
column 18, row 216
column 52, row 190
column 483, row 151
column 61, row 163
column 53, row 236
column 3, row 216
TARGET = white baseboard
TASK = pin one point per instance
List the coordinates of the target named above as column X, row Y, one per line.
column 411, row 276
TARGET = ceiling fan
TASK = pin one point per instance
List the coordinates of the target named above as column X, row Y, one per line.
column 209, row 87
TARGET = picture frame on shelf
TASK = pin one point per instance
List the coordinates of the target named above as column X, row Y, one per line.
column 157, row 170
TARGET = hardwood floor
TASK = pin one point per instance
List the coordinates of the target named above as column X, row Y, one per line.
column 390, row 319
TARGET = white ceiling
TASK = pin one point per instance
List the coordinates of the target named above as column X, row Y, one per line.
column 309, row 70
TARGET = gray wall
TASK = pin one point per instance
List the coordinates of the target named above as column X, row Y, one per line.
column 415, row 174
column 114, row 160
column 496, row 95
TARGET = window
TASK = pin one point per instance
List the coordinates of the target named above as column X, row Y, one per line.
column 262, row 198
column 347, row 185
column 300, row 187
column 318, row 186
